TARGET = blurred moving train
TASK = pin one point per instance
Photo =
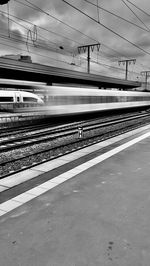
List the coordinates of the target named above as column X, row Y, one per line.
column 15, row 100
column 73, row 100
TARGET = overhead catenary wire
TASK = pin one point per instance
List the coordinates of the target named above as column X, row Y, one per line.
column 30, row 44
column 47, row 47
column 24, row 42
column 135, row 14
column 139, row 67
column 26, row 28
column 54, row 17
column 73, row 40
column 37, row 45
column 35, row 7
column 110, row 66
column 142, row 10
column 42, row 29
column 34, row 25
column 3, row 12
column 123, row 37
column 39, row 27
column 117, row 16
column 62, row 61
column 109, row 29
column 45, row 56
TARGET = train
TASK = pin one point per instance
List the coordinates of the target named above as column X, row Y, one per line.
column 62, row 100
column 11, row 100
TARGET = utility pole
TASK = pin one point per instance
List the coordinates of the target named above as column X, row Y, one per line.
column 89, row 48
column 146, row 74
column 127, row 62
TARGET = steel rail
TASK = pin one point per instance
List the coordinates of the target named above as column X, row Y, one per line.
column 27, row 161
column 53, row 134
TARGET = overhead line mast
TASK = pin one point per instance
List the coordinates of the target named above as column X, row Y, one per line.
column 146, row 74
column 127, row 62
column 89, row 48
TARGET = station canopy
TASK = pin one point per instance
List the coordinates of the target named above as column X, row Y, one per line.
column 11, row 69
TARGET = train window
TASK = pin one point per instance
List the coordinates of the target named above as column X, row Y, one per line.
column 6, row 99
column 29, row 99
column 18, row 99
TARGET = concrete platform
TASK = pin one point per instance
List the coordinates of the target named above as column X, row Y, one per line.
column 97, row 216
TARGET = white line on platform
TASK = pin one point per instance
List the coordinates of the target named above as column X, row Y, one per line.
column 46, row 186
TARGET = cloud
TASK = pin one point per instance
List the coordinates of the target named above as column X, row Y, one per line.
column 58, row 34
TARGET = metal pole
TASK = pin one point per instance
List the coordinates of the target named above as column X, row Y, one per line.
column 147, row 74
column 126, row 63
column 88, row 59
column 88, row 47
column 126, row 75
column 146, row 80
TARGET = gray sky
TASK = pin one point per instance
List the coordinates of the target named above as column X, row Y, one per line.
column 54, row 43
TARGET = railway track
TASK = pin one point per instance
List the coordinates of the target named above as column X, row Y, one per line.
column 27, row 149
column 22, row 139
column 12, row 136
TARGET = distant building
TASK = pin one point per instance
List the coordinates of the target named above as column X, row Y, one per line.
column 18, row 57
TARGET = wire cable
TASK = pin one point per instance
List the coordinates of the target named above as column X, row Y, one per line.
column 109, row 29
column 49, row 15
column 139, row 8
column 135, row 14
column 89, row 37
column 40, row 47
column 36, row 44
column 42, row 28
column 117, row 16
column 45, row 56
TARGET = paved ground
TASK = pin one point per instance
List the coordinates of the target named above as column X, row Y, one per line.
column 100, row 217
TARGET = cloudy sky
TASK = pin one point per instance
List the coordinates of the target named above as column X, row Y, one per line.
column 50, row 31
